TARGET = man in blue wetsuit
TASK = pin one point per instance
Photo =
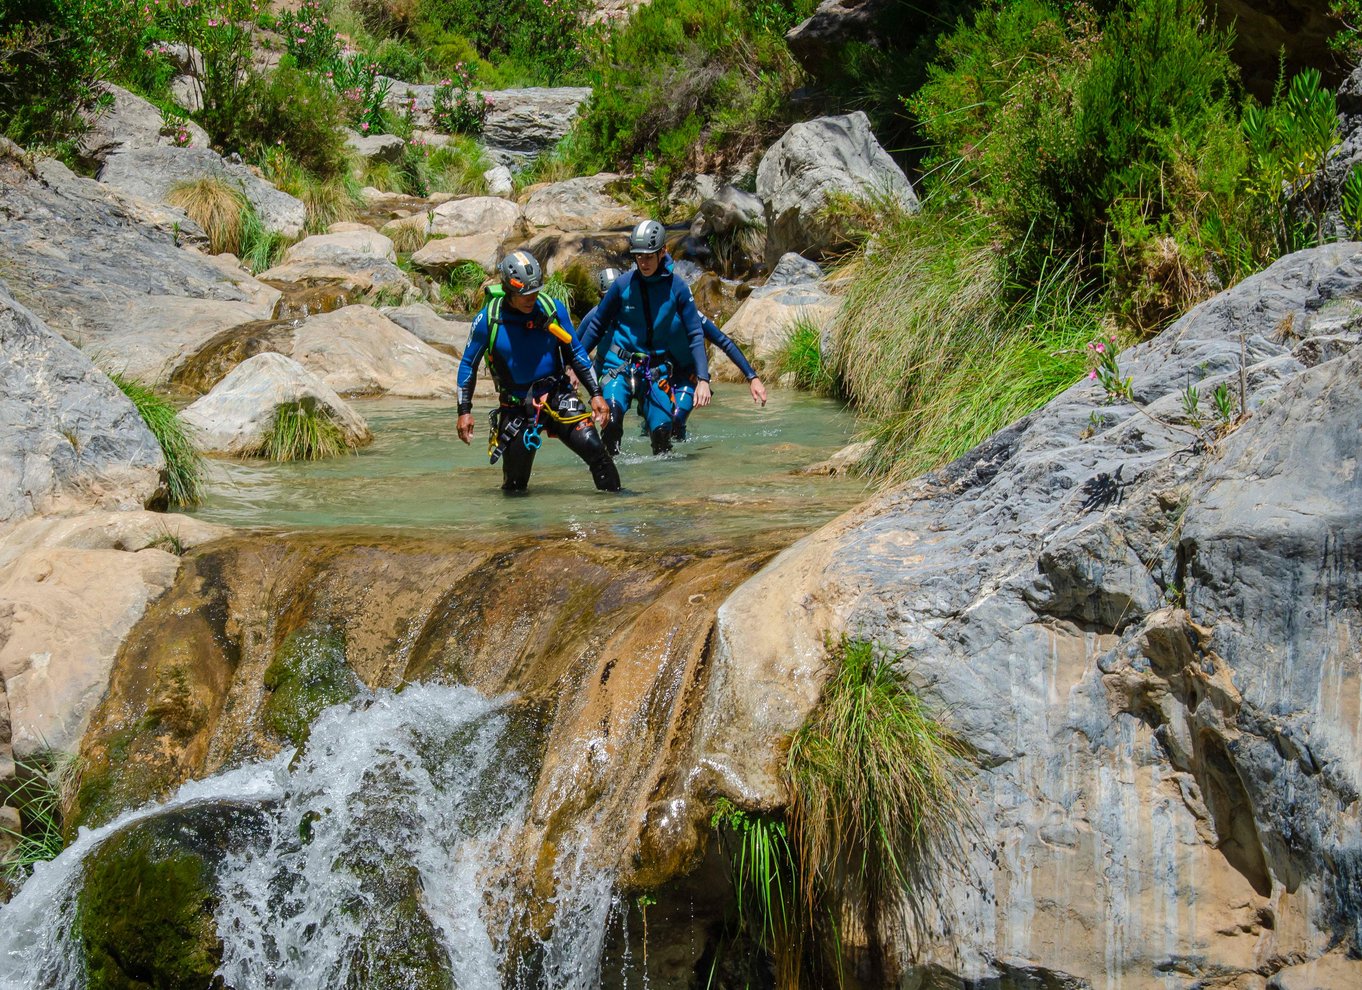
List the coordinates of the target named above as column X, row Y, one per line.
column 647, row 316
column 528, row 342
column 684, row 380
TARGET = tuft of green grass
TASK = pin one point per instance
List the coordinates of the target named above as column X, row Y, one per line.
column 217, row 206
column 41, row 789
column 184, row 463
column 877, row 806
column 939, row 346
column 802, row 356
column 303, row 432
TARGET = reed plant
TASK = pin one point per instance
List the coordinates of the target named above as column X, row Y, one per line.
column 878, row 811
column 303, row 432
column 184, row 463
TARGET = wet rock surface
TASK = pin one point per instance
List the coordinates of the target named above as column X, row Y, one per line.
column 1145, row 630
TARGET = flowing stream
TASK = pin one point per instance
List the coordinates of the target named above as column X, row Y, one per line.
column 467, row 819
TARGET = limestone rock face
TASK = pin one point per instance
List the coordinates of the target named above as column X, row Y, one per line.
column 358, row 351
column 238, row 413
column 583, row 203
column 763, row 321
column 72, row 438
column 811, row 161
column 72, row 588
column 1148, row 639
column 130, row 123
column 152, row 172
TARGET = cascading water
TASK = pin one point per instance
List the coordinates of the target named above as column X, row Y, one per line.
column 395, row 828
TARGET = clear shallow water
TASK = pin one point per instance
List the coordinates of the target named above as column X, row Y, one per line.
column 737, row 476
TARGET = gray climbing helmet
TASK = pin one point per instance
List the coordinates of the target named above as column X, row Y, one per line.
column 647, row 237
column 606, row 278
column 521, row 274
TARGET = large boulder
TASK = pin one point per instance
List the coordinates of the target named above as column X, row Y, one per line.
column 356, row 260
column 813, row 161
column 72, row 438
column 73, row 588
column 359, row 351
column 523, row 123
column 130, row 123
column 762, row 324
column 584, row 203
column 1146, row 634
column 153, row 172
column 237, row 415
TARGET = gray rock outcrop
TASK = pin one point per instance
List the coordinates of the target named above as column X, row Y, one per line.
column 1148, row 635
column 103, row 270
column 237, row 415
column 72, row 438
column 153, row 172
column 130, row 123
column 813, row 161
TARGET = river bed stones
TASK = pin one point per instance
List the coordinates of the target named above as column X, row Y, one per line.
column 237, row 415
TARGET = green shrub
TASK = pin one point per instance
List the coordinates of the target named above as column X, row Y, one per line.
column 877, row 807
column 184, row 463
column 303, row 432
column 708, row 69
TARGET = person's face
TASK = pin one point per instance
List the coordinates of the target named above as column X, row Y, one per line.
column 523, row 304
column 648, row 263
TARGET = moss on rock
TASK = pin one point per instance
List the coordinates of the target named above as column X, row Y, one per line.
column 309, row 673
column 146, row 908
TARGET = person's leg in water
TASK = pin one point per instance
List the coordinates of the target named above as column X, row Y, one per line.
column 616, row 388
column 570, row 421
column 517, row 461
column 658, row 409
column 683, row 393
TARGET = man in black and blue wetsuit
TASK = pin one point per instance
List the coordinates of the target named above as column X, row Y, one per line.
column 646, row 316
column 528, row 342
column 684, row 380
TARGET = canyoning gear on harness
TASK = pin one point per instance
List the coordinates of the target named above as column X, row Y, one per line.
column 521, row 348
column 648, row 237
column 606, row 278
column 521, row 274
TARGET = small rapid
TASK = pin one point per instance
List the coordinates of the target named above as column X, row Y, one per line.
column 392, row 841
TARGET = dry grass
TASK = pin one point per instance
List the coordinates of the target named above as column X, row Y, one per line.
column 215, row 204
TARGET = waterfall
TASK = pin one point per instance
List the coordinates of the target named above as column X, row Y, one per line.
column 400, row 822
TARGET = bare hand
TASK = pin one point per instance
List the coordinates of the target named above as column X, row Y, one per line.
column 466, row 427
column 758, row 391
column 703, row 394
column 600, row 411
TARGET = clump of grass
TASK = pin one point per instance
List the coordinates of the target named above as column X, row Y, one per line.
column 41, row 792
column 184, row 463
column 802, row 356
column 303, row 432
column 877, row 808
column 216, row 205
column 938, row 346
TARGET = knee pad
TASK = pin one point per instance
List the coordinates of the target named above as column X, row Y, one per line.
column 662, row 439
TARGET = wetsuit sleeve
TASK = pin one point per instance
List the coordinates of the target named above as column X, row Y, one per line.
column 575, row 354
column 731, row 350
column 693, row 322
column 468, row 365
column 601, row 316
